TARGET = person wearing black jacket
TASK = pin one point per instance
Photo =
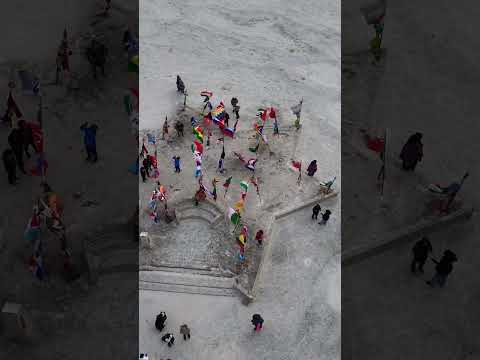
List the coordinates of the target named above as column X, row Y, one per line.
column 420, row 250
column 316, row 209
column 443, row 268
column 27, row 137
column 16, row 142
column 257, row 322
column 160, row 321
column 10, row 165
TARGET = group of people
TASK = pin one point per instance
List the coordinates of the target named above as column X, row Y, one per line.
column 168, row 337
column 325, row 216
column 443, row 267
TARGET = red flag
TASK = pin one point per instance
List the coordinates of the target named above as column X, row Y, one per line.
column 37, row 136
column 273, row 115
column 297, row 164
column 12, row 105
column 263, row 116
column 197, row 147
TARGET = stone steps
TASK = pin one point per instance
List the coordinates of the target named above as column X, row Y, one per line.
column 186, row 283
column 209, row 271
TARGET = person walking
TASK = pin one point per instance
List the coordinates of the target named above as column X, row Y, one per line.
column 312, row 168
column 257, row 322
column 412, row 152
column 97, row 56
column 15, row 140
column 169, row 339
column 185, row 331
column 10, row 164
column 180, row 85
column 325, row 217
column 443, row 268
column 315, row 211
column 90, row 140
column 160, row 321
column 420, row 251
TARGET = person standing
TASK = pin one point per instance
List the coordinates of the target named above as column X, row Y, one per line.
column 185, row 331
column 420, row 251
column 90, row 140
column 160, row 321
column 176, row 163
column 10, row 165
column 169, row 339
column 15, row 140
column 412, row 152
column 325, row 217
column 312, row 168
column 315, row 211
column 143, row 173
column 443, row 268
column 257, row 322
column 259, row 237
column 165, row 128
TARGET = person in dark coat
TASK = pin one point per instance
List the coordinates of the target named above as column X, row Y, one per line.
column 27, row 136
column 160, row 321
column 185, row 331
column 316, row 209
column 16, row 142
column 169, row 339
column 312, row 168
column 180, row 85
column 97, row 56
column 420, row 251
column 10, row 164
column 325, row 217
column 443, row 268
column 143, row 173
column 147, row 165
column 90, row 140
column 179, row 128
column 412, row 152
column 257, row 322
column 227, row 117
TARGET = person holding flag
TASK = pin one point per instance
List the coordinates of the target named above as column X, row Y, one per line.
column 298, row 165
column 221, row 161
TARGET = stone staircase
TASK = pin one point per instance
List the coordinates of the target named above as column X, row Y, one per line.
column 187, row 282
column 110, row 250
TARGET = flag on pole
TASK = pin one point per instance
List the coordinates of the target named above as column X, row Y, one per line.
column 233, row 216
column 206, row 93
column 250, row 164
column 244, row 185
column 198, row 132
column 12, row 105
column 228, row 132
column 240, row 206
column 227, row 182
column 197, row 147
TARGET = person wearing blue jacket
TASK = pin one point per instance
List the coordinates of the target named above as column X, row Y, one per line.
column 90, row 140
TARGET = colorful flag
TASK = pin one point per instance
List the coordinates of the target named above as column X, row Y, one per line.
column 134, row 64
column 250, row 164
column 244, row 185
column 297, row 164
column 197, row 147
column 198, row 132
column 206, row 93
column 239, row 206
column 254, row 149
column 227, row 182
column 233, row 216
column 228, row 132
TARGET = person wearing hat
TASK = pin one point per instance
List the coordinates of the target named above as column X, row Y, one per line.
column 443, row 268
